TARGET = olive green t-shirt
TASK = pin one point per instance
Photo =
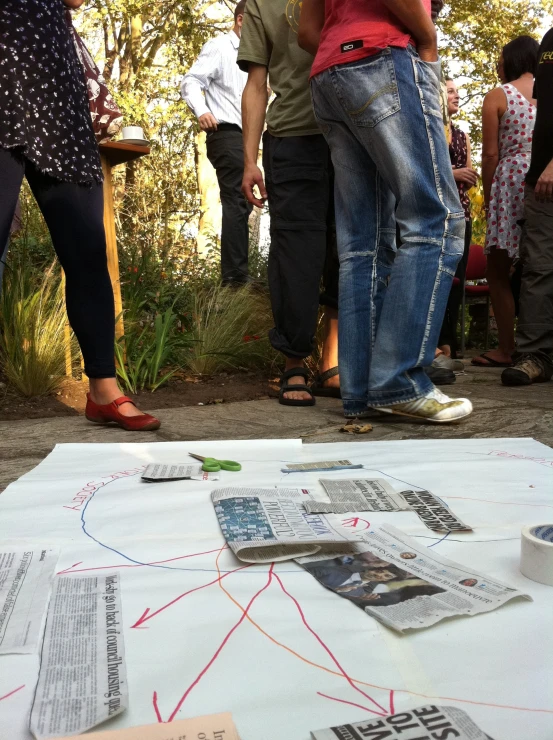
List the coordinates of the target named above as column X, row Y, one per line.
column 270, row 37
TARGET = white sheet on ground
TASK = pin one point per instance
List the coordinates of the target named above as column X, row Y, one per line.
column 303, row 658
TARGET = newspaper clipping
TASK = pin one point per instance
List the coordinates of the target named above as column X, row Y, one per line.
column 262, row 525
column 315, row 467
column 159, row 473
column 82, row 680
column 357, row 495
column 433, row 512
column 423, row 723
column 25, row 577
column 405, row 585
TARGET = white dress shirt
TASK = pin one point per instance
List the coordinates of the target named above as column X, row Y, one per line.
column 216, row 74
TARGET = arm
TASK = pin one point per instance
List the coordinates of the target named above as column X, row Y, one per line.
column 196, row 80
column 414, row 17
column 312, row 20
column 466, row 174
column 254, row 106
column 544, row 186
column 73, row 4
column 490, row 140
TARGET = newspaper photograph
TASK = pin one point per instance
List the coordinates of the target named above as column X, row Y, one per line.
column 433, row 512
column 406, row 585
column 25, row 578
column 262, row 525
column 357, row 495
column 159, row 473
column 423, row 723
column 82, row 680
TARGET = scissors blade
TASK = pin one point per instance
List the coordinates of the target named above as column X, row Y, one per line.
column 197, row 457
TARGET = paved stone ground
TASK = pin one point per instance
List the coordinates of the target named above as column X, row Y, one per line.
column 499, row 412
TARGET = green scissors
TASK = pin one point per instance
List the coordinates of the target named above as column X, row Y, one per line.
column 212, row 465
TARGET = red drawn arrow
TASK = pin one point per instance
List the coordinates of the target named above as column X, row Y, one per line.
column 147, row 615
column 216, row 654
column 354, row 522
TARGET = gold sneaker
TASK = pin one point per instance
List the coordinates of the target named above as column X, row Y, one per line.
column 435, row 407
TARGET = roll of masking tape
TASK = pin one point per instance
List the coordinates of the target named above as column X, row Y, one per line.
column 536, row 553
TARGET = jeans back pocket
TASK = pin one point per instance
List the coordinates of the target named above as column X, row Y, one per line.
column 368, row 89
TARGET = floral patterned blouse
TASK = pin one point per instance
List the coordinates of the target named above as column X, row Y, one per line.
column 458, row 153
column 44, row 109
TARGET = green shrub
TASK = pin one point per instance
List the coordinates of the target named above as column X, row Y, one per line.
column 32, row 330
column 228, row 330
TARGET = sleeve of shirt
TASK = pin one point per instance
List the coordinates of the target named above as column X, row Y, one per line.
column 198, row 77
column 255, row 46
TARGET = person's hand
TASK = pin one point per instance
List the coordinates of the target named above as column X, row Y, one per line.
column 208, row 122
column 544, row 186
column 253, row 177
column 466, row 175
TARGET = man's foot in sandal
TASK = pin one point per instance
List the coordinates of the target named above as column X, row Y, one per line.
column 294, row 390
column 327, row 384
column 493, row 358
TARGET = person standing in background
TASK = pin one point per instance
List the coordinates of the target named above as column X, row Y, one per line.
column 298, row 175
column 376, row 91
column 508, row 118
column 213, row 88
column 465, row 178
column 534, row 337
column 46, row 136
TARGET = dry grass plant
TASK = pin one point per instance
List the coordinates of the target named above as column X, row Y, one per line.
column 229, row 330
column 32, row 332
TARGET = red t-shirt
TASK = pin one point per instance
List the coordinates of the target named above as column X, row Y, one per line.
column 355, row 29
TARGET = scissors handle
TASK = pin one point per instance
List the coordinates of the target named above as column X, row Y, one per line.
column 212, row 465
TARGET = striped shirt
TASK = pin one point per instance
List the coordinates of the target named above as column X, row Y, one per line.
column 216, row 74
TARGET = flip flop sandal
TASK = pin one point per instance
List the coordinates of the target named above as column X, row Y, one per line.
column 318, row 388
column 285, row 387
column 490, row 362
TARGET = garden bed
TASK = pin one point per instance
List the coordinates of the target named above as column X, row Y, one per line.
column 180, row 391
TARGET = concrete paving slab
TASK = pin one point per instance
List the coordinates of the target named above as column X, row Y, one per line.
column 499, row 412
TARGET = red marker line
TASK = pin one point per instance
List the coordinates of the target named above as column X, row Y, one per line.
column 149, row 615
column 221, row 646
column 156, row 708
column 352, row 704
column 392, row 706
column 6, row 696
column 323, row 644
column 138, row 565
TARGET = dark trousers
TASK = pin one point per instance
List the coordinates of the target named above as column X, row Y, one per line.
column 448, row 334
column 298, row 180
column 74, row 216
column 225, row 151
column 535, row 322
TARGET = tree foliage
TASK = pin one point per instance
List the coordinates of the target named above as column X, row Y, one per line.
column 473, row 32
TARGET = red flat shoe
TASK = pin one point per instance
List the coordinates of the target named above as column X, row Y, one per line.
column 104, row 413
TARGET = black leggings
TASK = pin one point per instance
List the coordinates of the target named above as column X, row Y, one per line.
column 74, row 216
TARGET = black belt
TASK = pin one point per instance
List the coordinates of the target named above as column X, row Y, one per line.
column 228, row 127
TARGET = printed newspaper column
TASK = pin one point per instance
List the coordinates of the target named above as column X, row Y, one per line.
column 357, row 495
column 422, row 723
column 25, row 577
column 82, row 680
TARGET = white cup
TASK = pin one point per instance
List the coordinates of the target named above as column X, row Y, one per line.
column 132, row 132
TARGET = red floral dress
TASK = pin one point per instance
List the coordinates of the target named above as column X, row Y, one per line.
column 507, row 195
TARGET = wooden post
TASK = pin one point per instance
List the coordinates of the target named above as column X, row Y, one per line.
column 111, row 245
column 113, row 153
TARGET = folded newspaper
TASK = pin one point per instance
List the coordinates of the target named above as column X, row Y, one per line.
column 406, row 585
column 424, row 723
column 262, row 525
column 160, row 473
column 357, row 495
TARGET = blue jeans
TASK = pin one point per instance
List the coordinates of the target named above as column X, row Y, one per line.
column 382, row 119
